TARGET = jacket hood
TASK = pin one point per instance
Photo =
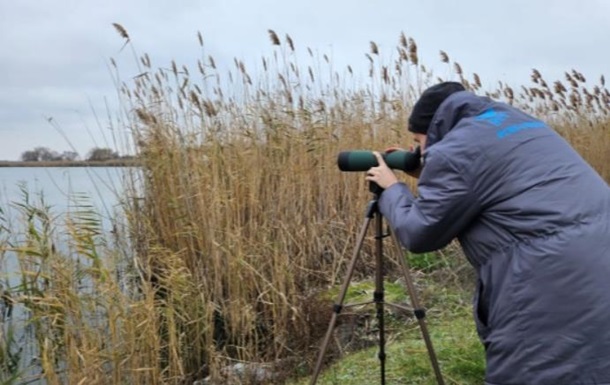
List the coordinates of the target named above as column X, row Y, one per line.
column 460, row 105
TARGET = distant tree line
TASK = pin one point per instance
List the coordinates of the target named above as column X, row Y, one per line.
column 44, row 154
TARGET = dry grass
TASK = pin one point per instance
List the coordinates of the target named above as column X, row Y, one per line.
column 241, row 216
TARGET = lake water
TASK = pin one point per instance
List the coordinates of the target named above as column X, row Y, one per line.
column 61, row 188
column 102, row 185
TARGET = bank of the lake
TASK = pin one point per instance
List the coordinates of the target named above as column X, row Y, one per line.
column 128, row 162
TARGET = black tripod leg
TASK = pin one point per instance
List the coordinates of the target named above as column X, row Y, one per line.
column 339, row 304
column 420, row 312
column 379, row 292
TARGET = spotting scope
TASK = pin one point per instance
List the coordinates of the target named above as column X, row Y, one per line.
column 363, row 160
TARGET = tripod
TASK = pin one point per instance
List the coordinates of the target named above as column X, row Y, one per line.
column 378, row 298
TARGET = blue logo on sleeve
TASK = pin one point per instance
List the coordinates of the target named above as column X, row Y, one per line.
column 492, row 116
column 519, row 127
column 496, row 119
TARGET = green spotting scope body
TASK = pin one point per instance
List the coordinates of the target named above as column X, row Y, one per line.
column 363, row 160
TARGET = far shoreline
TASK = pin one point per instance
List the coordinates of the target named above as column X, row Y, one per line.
column 72, row 163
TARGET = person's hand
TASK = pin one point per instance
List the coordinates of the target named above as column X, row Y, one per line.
column 382, row 175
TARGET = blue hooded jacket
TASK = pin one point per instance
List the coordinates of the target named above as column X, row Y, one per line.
column 533, row 218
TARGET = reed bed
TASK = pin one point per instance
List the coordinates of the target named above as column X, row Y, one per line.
column 238, row 217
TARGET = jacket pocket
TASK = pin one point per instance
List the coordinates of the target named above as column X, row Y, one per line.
column 481, row 312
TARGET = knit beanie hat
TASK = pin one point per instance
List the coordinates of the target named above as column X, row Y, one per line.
column 425, row 108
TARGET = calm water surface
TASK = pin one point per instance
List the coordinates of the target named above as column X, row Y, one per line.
column 58, row 184
column 61, row 188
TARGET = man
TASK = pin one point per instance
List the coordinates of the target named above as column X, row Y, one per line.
column 532, row 217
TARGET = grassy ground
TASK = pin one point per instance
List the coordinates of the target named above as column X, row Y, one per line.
column 449, row 323
column 458, row 350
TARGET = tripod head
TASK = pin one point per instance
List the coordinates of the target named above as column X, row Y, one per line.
column 375, row 189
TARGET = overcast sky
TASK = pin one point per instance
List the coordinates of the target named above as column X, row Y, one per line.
column 54, row 54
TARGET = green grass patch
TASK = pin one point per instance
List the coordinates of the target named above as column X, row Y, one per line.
column 426, row 262
column 452, row 330
column 359, row 292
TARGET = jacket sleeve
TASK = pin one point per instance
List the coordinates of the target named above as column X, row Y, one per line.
column 445, row 207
